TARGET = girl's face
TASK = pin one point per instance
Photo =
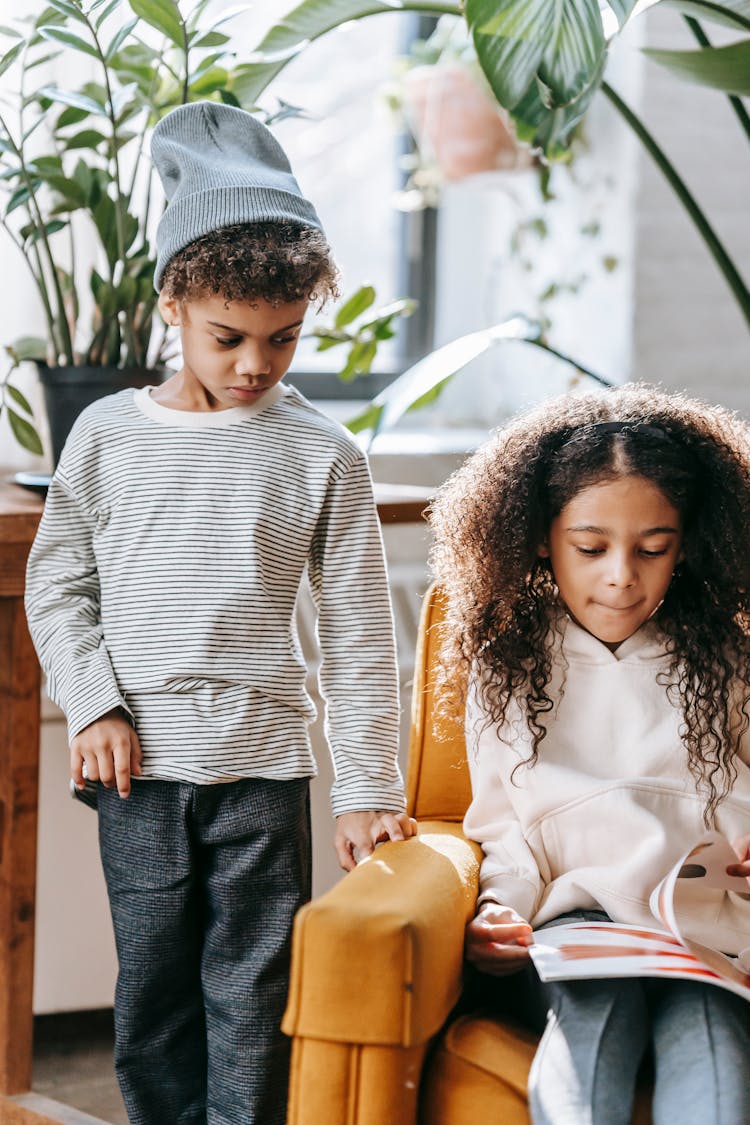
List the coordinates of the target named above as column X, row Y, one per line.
column 612, row 550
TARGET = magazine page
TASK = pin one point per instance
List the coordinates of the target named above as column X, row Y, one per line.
column 583, row 950
column 705, row 865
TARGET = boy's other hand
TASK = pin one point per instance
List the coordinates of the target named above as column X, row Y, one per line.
column 109, row 750
column 497, row 939
column 357, row 833
column 742, row 849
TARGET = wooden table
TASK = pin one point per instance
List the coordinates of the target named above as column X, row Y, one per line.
column 19, row 780
column 20, row 511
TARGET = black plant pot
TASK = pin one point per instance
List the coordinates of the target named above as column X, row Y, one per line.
column 68, row 390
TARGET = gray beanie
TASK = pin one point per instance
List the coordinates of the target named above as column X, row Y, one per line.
column 220, row 166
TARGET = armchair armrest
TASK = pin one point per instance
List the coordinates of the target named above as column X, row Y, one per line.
column 377, row 960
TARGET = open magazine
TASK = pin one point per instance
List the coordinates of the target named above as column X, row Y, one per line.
column 610, row 949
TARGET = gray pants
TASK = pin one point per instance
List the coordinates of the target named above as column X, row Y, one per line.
column 203, row 883
column 597, row 1033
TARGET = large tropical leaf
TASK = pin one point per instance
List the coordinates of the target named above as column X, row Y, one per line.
column 732, row 13
column 623, row 9
column 548, row 129
column 559, row 41
column 422, row 383
column 309, row 21
column 722, row 68
column 416, row 384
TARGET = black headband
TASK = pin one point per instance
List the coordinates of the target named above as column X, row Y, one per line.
column 593, row 428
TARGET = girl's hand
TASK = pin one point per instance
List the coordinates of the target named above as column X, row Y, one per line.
column 497, row 940
column 110, row 752
column 742, row 847
column 357, row 833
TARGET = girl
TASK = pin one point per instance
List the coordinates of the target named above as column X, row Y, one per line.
column 596, row 559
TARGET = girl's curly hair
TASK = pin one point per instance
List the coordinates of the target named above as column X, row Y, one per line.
column 492, row 515
column 280, row 262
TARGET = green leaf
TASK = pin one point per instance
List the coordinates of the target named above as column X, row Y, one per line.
column 126, row 293
column 18, row 398
column 359, row 361
column 10, row 57
column 721, row 68
column 68, row 39
column 24, row 432
column 163, row 15
column 228, row 97
column 46, row 166
column 84, row 176
column 430, row 396
column 65, row 8
column 49, row 228
column 119, row 38
column 369, row 419
column 559, row 41
column 404, row 306
column 130, row 227
column 103, row 215
column 730, row 13
column 27, row 347
column 195, row 14
column 327, row 339
column 623, row 9
column 68, row 189
column 550, row 130
column 309, row 21
column 210, row 39
column 109, row 8
column 40, row 60
column 20, row 196
column 208, row 83
column 87, row 138
column 70, row 98
column 10, row 31
column 355, row 306
column 71, row 117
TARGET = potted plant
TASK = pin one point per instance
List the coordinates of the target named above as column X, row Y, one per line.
column 76, row 181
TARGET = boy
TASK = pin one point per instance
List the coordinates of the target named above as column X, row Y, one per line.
column 161, row 594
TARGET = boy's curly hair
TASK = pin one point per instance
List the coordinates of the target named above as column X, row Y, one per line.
column 280, row 262
column 491, row 516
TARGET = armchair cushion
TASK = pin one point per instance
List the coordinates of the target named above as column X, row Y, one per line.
column 377, row 960
column 479, row 1070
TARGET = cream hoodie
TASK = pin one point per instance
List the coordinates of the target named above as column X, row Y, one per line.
column 609, row 806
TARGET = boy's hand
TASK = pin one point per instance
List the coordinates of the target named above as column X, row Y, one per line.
column 110, row 751
column 742, row 847
column 357, row 833
column 497, row 940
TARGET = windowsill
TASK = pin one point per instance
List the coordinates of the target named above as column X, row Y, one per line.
column 428, row 443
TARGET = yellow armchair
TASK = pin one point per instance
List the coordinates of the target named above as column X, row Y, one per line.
column 377, row 964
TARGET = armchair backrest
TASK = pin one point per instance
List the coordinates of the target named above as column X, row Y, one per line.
column 438, row 785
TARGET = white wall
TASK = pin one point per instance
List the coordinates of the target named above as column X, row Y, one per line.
column 689, row 333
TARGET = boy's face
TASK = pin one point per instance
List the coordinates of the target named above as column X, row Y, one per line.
column 613, row 550
column 232, row 351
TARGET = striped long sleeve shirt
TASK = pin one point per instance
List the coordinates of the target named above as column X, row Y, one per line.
column 164, row 577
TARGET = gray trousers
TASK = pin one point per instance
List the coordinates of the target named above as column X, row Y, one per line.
column 203, row 883
column 596, row 1034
